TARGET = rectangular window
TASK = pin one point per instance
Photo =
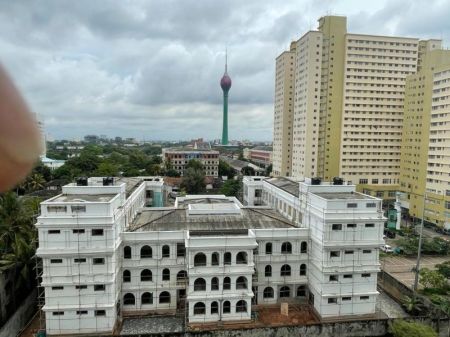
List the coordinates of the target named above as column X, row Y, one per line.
column 365, row 275
column 348, row 252
column 371, row 205
column 181, row 250
column 99, row 287
column 347, row 298
column 351, row 225
column 81, row 286
column 78, row 231
column 332, row 300
column 374, row 181
column 352, row 205
column 78, row 209
column 57, row 209
column 348, row 276
column 58, row 288
column 82, row 312
column 98, row 260
column 56, row 261
column 364, row 298
column 367, row 251
column 79, row 260
column 58, row 313
column 100, row 313
column 336, row 227
column 370, row 225
column 54, row 231
column 363, row 181
column 97, row 232
column 335, row 254
column 333, row 278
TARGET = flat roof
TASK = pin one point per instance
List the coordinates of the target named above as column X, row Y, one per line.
column 178, row 219
column 83, row 198
column 343, row 195
column 287, row 185
column 130, row 183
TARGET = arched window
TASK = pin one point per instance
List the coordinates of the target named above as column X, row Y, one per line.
column 227, row 258
column 286, row 248
column 215, row 260
column 147, row 298
column 226, row 307
column 126, row 276
column 164, row 297
column 268, row 271
column 127, row 252
column 146, row 252
column 302, row 269
column 128, row 299
column 146, row 275
column 226, row 283
column 285, row 292
column 199, row 260
column 214, row 308
column 268, row 292
column 285, row 270
column 301, row 291
column 200, row 284
column 268, row 248
column 241, row 306
column 241, row 282
column 166, row 275
column 165, row 251
column 304, row 247
column 214, row 283
column 241, row 258
column 199, row 308
column 181, row 276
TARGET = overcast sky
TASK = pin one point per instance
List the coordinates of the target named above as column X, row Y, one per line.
column 151, row 69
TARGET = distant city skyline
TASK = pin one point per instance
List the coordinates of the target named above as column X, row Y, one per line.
column 136, row 70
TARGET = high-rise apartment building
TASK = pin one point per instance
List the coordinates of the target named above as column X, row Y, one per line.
column 284, row 94
column 348, row 105
column 426, row 129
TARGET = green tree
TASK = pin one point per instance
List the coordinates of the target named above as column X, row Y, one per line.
column 444, row 269
column 400, row 328
column 432, row 279
column 268, row 170
column 413, row 305
column 248, row 171
column 172, row 173
column 14, row 220
column 193, row 181
column 194, row 164
column 231, row 188
column 34, row 182
column 107, row 169
column 226, row 170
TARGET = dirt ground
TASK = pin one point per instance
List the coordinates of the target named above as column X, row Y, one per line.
column 32, row 328
column 402, row 267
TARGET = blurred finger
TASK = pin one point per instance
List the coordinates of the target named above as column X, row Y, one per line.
column 20, row 140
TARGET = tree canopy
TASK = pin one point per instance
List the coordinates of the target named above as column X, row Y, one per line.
column 400, row 328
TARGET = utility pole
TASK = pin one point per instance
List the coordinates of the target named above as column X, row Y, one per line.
column 419, row 251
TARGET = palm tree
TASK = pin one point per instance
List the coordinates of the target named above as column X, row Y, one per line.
column 13, row 220
column 445, row 308
column 34, row 182
column 412, row 305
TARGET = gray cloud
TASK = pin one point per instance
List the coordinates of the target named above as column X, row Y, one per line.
column 151, row 69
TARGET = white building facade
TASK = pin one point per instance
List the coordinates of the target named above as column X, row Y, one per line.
column 107, row 255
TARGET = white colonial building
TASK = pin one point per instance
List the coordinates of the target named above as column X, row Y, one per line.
column 110, row 250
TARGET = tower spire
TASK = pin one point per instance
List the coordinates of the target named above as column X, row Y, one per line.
column 226, row 60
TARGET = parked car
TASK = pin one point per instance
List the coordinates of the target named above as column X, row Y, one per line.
column 386, row 249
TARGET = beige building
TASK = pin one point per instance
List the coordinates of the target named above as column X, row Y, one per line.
column 426, row 129
column 283, row 113
column 348, row 106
